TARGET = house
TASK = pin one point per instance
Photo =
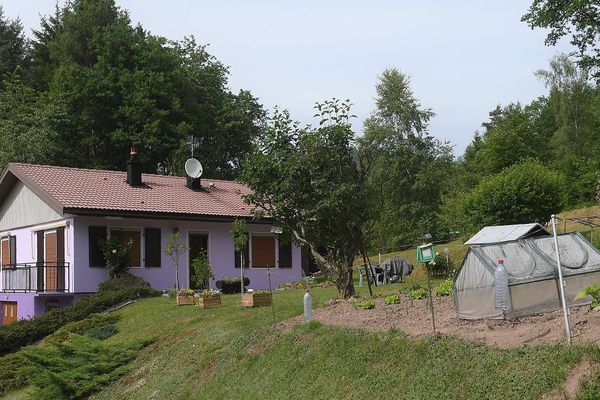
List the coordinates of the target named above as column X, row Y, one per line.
column 51, row 219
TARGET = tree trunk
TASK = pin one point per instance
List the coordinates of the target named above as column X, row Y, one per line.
column 345, row 283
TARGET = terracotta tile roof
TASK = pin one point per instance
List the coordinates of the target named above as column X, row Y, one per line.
column 76, row 188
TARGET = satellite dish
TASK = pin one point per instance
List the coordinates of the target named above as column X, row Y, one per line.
column 193, row 168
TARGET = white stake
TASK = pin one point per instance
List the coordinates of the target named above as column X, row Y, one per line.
column 561, row 283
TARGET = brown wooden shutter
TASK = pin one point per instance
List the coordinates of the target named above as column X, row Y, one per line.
column 152, row 247
column 96, row 258
column 6, row 252
column 13, row 250
column 40, row 260
column 285, row 255
column 61, row 268
column 263, row 251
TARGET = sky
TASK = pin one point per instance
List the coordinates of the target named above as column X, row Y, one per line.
column 464, row 57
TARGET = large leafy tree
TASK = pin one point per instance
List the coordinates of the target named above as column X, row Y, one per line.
column 408, row 168
column 310, row 181
column 14, row 49
column 105, row 85
column 579, row 20
column 524, row 192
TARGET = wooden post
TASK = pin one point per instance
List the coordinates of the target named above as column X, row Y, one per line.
column 430, row 298
column 367, row 269
column 271, row 292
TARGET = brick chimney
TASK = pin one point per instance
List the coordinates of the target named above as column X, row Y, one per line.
column 134, row 169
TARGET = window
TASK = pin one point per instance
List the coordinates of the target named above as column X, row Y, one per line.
column 135, row 235
column 263, row 251
column 5, row 250
column 8, row 251
column 95, row 234
column 152, row 247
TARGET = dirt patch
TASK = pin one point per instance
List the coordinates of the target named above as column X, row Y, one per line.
column 581, row 372
column 414, row 318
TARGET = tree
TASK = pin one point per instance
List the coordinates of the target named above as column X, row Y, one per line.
column 240, row 241
column 14, row 48
column 408, row 169
column 310, row 182
column 578, row 19
column 523, row 193
column 175, row 248
column 106, row 85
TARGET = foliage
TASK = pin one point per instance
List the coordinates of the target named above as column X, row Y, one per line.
column 312, row 185
column 231, row 285
column 593, row 291
column 444, row 288
column 366, row 304
column 260, row 291
column 441, row 267
column 77, row 368
column 13, row 374
column 82, row 327
column 103, row 332
column 116, row 255
column 392, row 299
column 103, row 84
column 418, row 293
column 25, row 332
column 239, row 234
column 209, row 293
column 175, row 248
column 408, row 170
column 185, row 293
column 577, row 19
column 201, row 270
column 523, row 193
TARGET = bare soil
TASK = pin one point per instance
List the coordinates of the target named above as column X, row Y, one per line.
column 414, row 318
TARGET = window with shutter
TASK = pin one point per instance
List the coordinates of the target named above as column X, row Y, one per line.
column 5, row 250
column 95, row 233
column 263, row 251
column 126, row 235
column 152, row 247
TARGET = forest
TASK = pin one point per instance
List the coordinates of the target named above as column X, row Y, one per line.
column 88, row 84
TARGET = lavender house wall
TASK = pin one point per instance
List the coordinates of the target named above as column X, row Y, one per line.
column 220, row 253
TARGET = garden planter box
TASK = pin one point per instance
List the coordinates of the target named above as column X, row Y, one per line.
column 185, row 301
column 209, row 302
column 256, row 300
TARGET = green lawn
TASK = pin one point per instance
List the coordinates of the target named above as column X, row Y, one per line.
column 233, row 352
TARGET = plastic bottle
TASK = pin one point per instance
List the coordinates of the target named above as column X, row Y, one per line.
column 307, row 306
column 501, row 287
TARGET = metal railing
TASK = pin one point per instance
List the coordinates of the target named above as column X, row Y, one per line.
column 36, row 277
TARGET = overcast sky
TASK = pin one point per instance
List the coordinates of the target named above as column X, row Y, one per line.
column 464, row 57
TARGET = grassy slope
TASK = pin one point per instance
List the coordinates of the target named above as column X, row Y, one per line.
column 232, row 352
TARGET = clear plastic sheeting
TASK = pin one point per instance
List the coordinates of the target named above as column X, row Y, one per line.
column 532, row 275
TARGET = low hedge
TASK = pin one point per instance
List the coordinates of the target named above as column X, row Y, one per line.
column 110, row 294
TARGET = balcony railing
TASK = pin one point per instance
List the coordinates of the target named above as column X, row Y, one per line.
column 36, row 277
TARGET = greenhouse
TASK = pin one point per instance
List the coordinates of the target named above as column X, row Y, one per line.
column 532, row 269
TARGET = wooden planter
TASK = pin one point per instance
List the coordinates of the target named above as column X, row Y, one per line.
column 209, row 302
column 185, row 301
column 256, row 300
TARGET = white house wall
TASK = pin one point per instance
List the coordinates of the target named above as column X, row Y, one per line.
column 23, row 208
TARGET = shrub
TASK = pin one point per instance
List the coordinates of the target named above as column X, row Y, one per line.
column 77, row 368
column 392, row 299
column 110, row 294
column 202, row 272
column 441, row 267
column 444, row 288
column 524, row 192
column 82, row 327
column 260, row 291
column 116, row 255
column 103, row 332
column 418, row 293
column 12, row 372
column 593, row 291
column 231, row 285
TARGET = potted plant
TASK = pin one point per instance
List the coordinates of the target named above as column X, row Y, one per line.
column 257, row 298
column 185, row 297
column 209, row 299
